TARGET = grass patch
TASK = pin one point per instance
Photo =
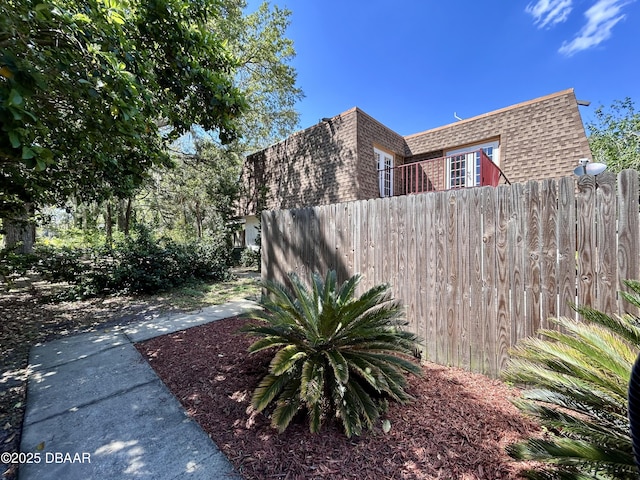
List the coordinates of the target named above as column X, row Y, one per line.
column 197, row 295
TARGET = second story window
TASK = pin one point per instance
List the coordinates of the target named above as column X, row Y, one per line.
column 463, row 164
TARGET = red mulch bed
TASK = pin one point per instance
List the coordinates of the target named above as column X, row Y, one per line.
column 457, row 428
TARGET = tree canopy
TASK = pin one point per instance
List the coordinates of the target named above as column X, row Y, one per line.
column 198, row 195
column 93, row 91
column 614, row 135
column 258, row 40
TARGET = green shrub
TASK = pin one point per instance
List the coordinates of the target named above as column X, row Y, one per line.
column 210, row 261
column 579, row 378
column 337, row 355
column 250, row 258
column 75, row 238
column 140, row 264
column 14, row 264
column 62, row 264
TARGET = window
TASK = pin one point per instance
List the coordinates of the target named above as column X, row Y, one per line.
column 463, row 164
column 384, row 160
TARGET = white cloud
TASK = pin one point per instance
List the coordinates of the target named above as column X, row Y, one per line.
column 549, row 12
column 601, row 18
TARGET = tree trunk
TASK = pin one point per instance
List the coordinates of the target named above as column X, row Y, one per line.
column 20, row 233
column 127, row 218
column 121, row 215
column 108, row 226
column 198, row 220
column 78, row 215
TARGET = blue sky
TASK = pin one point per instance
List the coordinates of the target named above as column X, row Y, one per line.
column 413, row 64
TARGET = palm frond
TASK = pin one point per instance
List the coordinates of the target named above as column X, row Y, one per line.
column 285, row 359
column 267, row 390
column 316, row 415
column 339, row 364
column 312, row 382
column 336, row 354
column 269, row 342
column 287, row 406
column 578, row 377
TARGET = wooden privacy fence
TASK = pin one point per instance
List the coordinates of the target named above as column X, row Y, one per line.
column 477, row 268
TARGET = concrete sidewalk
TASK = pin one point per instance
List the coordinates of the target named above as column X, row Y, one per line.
column 96, row 410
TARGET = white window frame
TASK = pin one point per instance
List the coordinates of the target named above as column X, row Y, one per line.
column 471, row 175
column 385, row 163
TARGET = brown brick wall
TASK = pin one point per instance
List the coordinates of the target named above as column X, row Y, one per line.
column 372, row 134
column 333, row 161
column 312, row 167
column 542, row 138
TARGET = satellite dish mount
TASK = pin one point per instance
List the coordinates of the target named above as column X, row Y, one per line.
column 585, row 167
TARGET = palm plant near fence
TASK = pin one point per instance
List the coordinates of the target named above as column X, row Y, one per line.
column 579, row 377
column 336, row 354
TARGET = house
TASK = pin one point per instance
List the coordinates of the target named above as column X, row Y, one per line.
column 352, row 156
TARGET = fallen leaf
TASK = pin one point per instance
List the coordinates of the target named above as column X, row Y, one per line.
column 386, row 426
column 40, row 446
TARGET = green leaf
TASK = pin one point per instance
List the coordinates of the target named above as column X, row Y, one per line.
column 115, row 17
column 284, row 413
column 285, row 359
column 27, row 153
column 40, row 165
column 339, row 365
column 81, row 17
column 15, row 99
column 14, row 139
column 312, row 383
column 267, row 390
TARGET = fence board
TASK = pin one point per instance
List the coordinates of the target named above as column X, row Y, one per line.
column 585, row 211
column 532, row 272
column 337, row 213
column 503, row 327
column 372, row 260
column 320, row 260
column 298, row 242
column 313, row 242
column 464, row 275
column 400, row 212
column 476, row 330
column 294, row 242
column 431, row 274
column 606, row 279
column 517, row 252
column 420, row 279
column 356, row 237
column 628, row 237
column 567, row 267
column 489, row 278
column 478, row 269
column 452, row 287
column 548, row 251
column 441, row 278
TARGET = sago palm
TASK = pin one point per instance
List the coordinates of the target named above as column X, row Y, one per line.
column 578, row 377
column 335, row 354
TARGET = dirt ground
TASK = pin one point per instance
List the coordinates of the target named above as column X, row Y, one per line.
column 456, row 429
